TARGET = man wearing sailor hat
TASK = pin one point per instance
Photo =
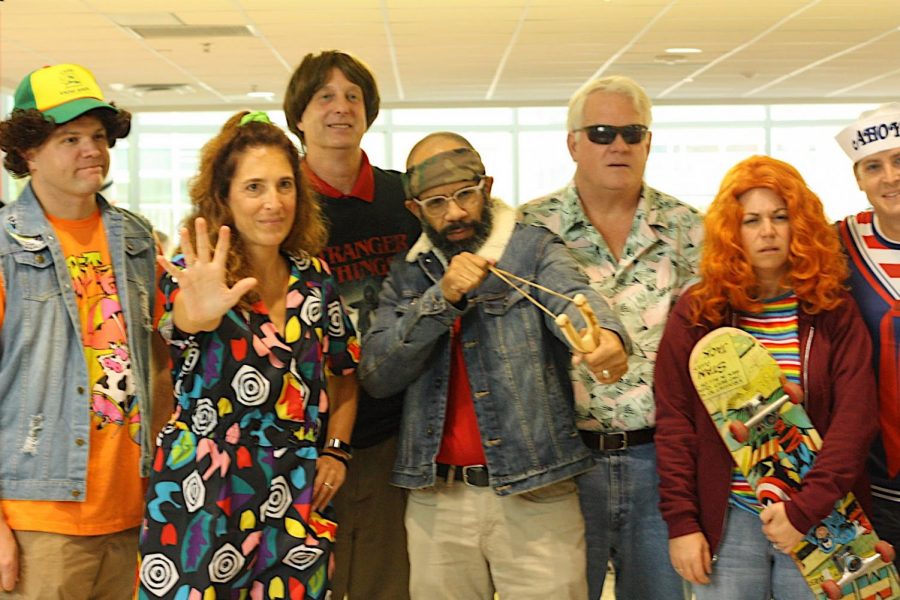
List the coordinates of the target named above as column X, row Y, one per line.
column 872, row 241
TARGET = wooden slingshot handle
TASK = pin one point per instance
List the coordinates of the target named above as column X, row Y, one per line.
column 589, row 338
column 585, row 341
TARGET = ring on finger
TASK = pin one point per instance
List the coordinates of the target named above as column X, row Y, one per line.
column 328, row 485
column 605, row 374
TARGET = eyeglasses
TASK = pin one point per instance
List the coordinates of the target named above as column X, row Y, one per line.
column 465, row 198
column 606, row 134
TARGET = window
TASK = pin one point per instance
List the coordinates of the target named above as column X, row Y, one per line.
column 523, row 148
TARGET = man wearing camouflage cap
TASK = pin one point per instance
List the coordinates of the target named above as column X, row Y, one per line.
column 488, row 445
column 872, row 241
column 77, row 283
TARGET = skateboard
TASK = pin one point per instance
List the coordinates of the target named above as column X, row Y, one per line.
column 763, row 423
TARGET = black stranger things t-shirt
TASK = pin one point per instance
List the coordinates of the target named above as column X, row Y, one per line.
column 363, row 238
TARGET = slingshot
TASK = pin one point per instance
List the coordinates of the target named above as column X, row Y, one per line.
column 584, row 342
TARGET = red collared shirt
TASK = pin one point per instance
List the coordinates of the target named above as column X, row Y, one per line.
column 363, row 189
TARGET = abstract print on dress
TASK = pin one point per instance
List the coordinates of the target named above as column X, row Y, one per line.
column 229, row 501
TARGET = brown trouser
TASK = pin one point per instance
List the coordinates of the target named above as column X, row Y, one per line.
column 370, row 549
column 75, row 567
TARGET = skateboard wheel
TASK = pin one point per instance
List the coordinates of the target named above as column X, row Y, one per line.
column 832, row 590
column 739, row 431
column 885, row 551
column 794, row 391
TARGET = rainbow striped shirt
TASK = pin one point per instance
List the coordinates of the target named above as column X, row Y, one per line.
column 776, row 328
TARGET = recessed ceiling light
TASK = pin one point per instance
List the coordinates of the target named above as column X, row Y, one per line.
column 265, row 95
column 684, row 50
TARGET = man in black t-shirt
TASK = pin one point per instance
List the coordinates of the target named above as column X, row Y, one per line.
column 330, row 102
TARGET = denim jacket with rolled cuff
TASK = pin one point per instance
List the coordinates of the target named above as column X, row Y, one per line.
column 516, row 358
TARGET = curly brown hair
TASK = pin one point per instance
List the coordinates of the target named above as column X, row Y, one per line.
column 313, row 73
column 27, row 129
column 209, row 191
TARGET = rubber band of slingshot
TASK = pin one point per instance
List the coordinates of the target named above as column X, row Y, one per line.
column 500, row 273
column 503, row 276
column 506, row 277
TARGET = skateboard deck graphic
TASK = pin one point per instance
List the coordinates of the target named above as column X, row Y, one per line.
column 774, row 444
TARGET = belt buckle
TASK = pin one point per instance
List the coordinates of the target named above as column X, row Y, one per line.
column 465, row 474
column 622, row 446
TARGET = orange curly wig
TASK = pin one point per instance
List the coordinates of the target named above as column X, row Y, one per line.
column 817, row 268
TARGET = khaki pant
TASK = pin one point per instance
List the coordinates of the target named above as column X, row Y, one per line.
column 75, row 567
column 370, row 561
column 467, row 543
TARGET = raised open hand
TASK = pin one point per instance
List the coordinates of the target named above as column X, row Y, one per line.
column 204, row 296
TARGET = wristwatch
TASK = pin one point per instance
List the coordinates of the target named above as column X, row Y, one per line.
column 337, row 444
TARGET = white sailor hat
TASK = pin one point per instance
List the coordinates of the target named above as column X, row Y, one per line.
column 875, row 130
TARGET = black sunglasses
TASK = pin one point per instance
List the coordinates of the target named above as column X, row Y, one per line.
column 606, row 134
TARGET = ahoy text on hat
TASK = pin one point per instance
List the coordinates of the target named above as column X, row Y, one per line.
column 874, row 131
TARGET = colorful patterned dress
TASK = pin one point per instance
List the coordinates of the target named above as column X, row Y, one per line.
column 229, row 500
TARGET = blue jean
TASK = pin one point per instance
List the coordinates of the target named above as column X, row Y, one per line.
column 749, row 568
column 885, row 518
column 620, row 502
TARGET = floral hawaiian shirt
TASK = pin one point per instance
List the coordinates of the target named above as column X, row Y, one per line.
column 659, row 261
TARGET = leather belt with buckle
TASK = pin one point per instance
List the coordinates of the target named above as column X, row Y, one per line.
column 474, row 475
column 616, row 440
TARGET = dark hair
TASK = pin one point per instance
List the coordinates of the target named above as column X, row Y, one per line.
column 313, row 73
column 27, row 129
column 209, row 191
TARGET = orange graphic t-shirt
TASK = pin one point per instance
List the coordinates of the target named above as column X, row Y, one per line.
column 115, row 492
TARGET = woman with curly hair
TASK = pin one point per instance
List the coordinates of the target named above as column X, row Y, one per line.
column 771, row 265
column 238, row 503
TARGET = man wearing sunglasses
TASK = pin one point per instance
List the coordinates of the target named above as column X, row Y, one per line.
column 640, row 249
column 488, row 445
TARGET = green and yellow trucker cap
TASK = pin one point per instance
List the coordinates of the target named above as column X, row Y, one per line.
column 60, row 92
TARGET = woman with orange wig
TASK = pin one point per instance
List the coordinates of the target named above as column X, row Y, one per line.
column 771, row 265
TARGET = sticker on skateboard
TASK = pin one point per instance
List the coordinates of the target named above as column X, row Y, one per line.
column 774, row 444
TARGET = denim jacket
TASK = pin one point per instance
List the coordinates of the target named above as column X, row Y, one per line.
column 515, row 355
column 44, row 389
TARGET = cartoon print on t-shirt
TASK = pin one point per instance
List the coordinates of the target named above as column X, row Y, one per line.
column 113, row 400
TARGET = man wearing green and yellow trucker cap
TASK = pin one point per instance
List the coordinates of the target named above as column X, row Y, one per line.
column 77, row 289
column 61, row 93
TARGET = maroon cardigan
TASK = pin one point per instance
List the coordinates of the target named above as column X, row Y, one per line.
column 695, row 466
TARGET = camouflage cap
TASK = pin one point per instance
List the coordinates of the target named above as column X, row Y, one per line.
column 459, row 164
